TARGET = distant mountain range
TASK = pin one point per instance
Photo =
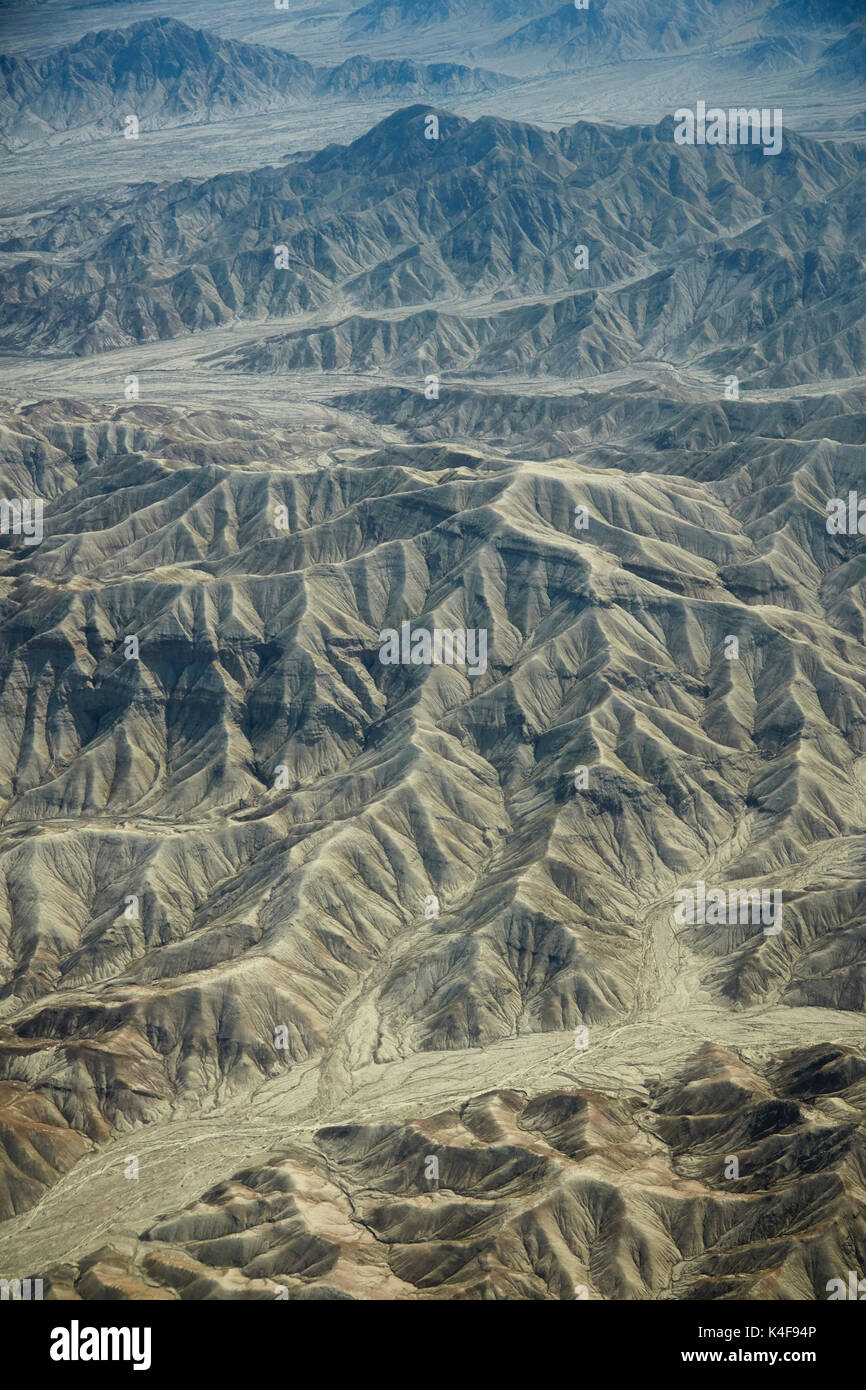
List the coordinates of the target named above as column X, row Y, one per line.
column 384, row 16
column 167, row 73
column 749, row 264
column 606, row 31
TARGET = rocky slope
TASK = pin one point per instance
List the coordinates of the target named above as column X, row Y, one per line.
column 167, row 73
column 220, row 852
column 496, row 248
column 571, row 1194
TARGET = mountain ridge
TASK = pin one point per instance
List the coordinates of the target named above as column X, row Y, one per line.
column 717, row 255
column 167, row 73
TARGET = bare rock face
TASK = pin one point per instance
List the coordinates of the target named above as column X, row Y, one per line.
column 171, row 74
column 37, row 1146
column 244, row 843
column 710, row 259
